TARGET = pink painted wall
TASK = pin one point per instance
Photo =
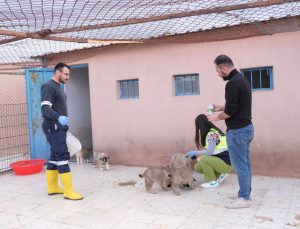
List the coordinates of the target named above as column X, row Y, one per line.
column 146, row 131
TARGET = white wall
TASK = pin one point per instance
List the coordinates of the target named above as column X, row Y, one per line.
column 79, row 110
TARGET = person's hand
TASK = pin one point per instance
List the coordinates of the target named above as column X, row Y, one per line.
column 192, row 154
column 63, row 120
column 218, row 108
column 213, row 117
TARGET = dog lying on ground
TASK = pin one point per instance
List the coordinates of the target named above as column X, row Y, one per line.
column 159, row 175
column 101, row 161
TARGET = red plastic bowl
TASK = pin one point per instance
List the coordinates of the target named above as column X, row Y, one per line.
column 27, row 167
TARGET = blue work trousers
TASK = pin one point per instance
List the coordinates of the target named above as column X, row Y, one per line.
column 56, row 135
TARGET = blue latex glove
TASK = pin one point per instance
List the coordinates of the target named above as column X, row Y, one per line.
column 192, row 154
column 63, row 120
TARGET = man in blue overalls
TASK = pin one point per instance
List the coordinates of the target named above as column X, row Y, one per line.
column 55, row 127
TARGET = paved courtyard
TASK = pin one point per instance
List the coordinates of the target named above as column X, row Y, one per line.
column 112, row 200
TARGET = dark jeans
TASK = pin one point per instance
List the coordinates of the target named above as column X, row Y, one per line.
column 56, row 135
column 238, row 142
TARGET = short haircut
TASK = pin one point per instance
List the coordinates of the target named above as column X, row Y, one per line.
column 223, row 59
column 60, row 66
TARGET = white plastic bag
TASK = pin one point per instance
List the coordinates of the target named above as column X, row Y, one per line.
column 73, row 144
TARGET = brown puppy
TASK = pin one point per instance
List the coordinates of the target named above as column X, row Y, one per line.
column 179, row 160
column 159, row 175
column 182, row 177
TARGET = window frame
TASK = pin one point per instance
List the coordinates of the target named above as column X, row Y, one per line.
column 177, row 76
column 269, row 68
column 127, row 81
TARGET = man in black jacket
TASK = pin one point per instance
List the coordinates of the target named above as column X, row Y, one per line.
column 240, row 131
column 55, row 127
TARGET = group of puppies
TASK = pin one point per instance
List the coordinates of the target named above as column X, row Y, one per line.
column 177, row 174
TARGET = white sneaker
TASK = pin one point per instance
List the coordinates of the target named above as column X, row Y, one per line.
column 239, row 203
column 222, row 177
column 211, row 184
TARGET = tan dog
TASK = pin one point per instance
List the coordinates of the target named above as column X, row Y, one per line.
column 179, row 160
column 82, row 156
column 101, row 161
column 159, row 175
column 181, row 177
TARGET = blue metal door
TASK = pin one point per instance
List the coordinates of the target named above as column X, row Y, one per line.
column 39, row 147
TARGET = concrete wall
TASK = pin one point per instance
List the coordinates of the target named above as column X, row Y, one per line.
column 146, row 131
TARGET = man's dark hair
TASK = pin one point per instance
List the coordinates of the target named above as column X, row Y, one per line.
column 60, row 66
column 223, row 59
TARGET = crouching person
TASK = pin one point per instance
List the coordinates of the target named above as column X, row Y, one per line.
column 55, row 127
column 214, row 160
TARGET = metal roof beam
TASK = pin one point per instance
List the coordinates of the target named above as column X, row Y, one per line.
column 44, row 36
column 5, row 41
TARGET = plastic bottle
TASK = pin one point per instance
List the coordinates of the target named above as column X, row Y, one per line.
column 210, row 109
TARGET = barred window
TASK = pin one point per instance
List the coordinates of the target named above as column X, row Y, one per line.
column 259, row 78
column 129, row 89
column 187, row 84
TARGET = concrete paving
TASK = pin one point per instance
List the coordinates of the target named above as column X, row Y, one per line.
column 112, row 200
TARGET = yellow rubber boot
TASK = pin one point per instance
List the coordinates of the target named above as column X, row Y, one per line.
column 66, row 180
column 52, row 182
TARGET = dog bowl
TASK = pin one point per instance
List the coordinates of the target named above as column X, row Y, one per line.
column 27, row 167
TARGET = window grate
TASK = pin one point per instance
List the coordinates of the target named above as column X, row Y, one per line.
column 129, row 89
column 259, row 78
column 187, row 84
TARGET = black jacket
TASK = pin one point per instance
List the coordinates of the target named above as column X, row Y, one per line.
column 53, row 101
column 238, row 98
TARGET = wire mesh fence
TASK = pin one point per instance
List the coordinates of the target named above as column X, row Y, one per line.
column 14, row 144
column 33, row 29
